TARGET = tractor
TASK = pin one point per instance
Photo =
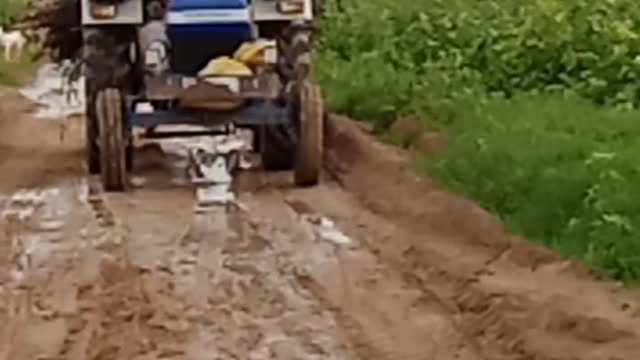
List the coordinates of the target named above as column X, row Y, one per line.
column 144, row 64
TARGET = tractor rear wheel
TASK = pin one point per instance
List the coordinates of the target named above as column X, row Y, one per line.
column 112, row 139
column 297, row 144
column 278, row 146
column 308, row 162
column 108, row 64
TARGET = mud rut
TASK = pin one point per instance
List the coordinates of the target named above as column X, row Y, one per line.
column 426, row 275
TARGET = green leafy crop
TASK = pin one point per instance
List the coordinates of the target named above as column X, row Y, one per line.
column 537, row 96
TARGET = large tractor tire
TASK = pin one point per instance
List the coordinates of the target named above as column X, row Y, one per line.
column 297, row 144
column 113, row 140
column 108, row 64
column 308, row 163
column 278, row 146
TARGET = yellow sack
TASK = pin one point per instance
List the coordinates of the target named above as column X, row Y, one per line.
column 225, row 66
column 248, row 54
column 252, row 53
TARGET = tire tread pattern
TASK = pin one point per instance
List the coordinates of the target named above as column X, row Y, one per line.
column 107, row 65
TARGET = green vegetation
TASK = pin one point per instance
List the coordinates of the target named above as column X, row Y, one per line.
column 537, row 97
column 16, row 72
column 12, row 10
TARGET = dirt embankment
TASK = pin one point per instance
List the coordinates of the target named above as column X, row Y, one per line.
column 511, row 298
column 426, row 275
column 34, row 151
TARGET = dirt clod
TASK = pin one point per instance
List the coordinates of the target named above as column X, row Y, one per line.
column 428, row 143
column 406, row 127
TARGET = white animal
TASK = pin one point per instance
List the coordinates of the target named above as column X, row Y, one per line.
column 12, row 41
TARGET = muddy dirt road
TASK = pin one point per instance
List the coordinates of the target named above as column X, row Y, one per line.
column 406, row 272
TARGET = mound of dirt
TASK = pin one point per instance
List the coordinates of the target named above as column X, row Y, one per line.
column 515, row 299
column 383, row 177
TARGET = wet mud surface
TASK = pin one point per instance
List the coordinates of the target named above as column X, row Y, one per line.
column 374, row 263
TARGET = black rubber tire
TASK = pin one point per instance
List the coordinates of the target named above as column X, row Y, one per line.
column 279, row 143
column 309, row 151
column 107, row 65
column 278, row 147
column 112, row 140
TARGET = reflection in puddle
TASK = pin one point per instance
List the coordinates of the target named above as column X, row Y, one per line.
column 54, row 96
column 34, row 219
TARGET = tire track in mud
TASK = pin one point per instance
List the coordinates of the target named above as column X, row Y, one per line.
column 380, row 313
column 225, row 291
column 35, row 301
column 384, row 314
column 265, row 287
column 150, row 279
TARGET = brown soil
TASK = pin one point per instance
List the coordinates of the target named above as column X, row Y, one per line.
column 427, row 275
column 34, row 151
column 508, row 297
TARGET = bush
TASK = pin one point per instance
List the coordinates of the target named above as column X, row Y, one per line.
column 556, row 169
column 519, row 85
column 12, row 10
column 14, row 72
column 503, row 46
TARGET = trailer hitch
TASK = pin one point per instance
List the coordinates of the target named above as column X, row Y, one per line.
column 211, row 169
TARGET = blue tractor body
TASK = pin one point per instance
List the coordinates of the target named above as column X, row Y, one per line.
column 274, row 97
column 200, row 30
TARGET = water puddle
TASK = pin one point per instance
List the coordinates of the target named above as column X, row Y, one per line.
column 54, row 95
column 37, row 226
column 37, row 217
